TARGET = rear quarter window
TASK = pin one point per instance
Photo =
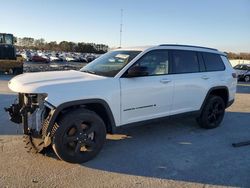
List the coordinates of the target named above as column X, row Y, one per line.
column 213, row 62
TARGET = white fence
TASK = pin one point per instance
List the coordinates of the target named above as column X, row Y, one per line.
column 239, row 61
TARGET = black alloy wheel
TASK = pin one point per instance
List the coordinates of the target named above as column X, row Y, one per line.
column 213, row 112
column 216, row 112
column 79, row 137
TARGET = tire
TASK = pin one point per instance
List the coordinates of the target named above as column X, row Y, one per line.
column 79, row 137
column 247, row 78
column 11, row 71
column 213, row 112
column 33, row 143
column 17, row 71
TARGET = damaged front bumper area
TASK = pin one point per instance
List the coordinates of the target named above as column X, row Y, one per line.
column 30, row 110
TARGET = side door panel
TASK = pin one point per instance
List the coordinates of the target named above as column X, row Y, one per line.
column 189, row 83
column 189, row 92
column 145, row 98
column 150, row 96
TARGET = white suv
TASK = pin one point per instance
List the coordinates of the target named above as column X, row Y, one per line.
column 73, row 110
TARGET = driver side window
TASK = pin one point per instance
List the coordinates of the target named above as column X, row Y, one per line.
column 154, row 62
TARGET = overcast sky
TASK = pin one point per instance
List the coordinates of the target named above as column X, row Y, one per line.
column 222, row 24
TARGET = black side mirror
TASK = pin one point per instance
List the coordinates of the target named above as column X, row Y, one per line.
column 137, row 71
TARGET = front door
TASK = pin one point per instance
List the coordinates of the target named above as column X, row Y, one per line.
column 148, row 96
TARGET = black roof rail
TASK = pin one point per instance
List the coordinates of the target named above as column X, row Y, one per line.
column 188, row 46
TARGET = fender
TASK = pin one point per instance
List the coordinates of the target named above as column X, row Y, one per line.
column 56, row 111
column 210, row 91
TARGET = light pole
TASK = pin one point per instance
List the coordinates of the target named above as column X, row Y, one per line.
column 121, row 24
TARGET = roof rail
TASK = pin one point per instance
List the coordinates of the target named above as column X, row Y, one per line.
column 188, row 46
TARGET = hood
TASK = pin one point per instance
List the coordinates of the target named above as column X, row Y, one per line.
column 240, row 72
column 41, row 82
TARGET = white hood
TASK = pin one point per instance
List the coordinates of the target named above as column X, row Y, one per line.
column 43, row 82
column 67, row 86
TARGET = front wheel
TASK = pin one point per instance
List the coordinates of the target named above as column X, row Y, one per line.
column 79, row 137
column 11, row 71
column 17, row 71
column 213, row 112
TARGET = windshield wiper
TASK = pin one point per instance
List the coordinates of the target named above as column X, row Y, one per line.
column 88, row 71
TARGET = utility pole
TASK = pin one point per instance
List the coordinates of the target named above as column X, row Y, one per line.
column 121, row 28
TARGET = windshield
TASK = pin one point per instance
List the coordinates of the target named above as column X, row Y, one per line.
column 110, row 63
column 8, row 39
column 242, row 67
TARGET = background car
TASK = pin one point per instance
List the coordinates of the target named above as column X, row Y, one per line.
column 37, row 58
column 243, row 72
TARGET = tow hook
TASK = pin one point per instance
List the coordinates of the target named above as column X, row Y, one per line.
column 14, row 112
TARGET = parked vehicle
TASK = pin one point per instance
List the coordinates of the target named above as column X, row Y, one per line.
column 243, row 72
column 54, row 58
column 90, row 58
column 37, row 58
column 73, row 110
column 9, row 62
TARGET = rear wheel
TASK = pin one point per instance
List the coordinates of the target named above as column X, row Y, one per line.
column 212, row 113
column 247, row 78
column 79, row 137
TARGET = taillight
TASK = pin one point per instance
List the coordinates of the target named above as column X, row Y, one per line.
column 234, row 75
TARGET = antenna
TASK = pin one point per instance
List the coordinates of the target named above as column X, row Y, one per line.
column 121, row 28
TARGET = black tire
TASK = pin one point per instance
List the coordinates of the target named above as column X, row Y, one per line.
column 79, row 137
column 213, row 112
column 11, row 71
column 17, row 71
column 33, row 143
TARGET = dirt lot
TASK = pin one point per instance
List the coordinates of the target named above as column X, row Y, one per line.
column 174, row 153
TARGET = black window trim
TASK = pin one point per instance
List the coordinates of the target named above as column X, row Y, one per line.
column 201, row 63
column 200, row 58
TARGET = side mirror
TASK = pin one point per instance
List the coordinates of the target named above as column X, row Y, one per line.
column 137, row 71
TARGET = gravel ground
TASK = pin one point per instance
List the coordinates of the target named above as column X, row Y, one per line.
column 174, row 153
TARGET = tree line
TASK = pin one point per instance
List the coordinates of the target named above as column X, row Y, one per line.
column 232, row 55
column 65, row 46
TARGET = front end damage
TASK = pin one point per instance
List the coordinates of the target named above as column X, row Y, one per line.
column 32, row 112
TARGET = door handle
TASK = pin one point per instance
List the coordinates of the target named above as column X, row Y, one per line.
column 165, row 81
column 205, row 77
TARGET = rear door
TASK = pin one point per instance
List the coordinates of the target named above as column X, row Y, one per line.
column 190, row 82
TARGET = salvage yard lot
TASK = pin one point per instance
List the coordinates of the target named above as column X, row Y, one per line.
column 174, row 153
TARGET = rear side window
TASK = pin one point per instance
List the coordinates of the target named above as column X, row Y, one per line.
column 184, row 61
column 213, row 62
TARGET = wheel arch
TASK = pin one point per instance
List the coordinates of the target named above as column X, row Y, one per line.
column 221, row 91
column 99, row 106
